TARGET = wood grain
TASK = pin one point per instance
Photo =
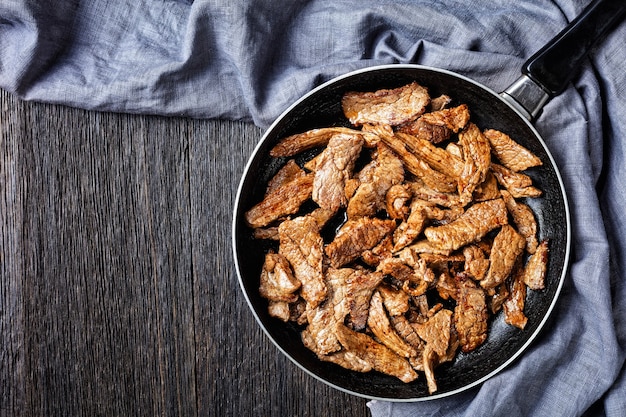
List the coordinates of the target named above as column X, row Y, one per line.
column 118, row 294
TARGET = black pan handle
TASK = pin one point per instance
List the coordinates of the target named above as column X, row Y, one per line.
column 554, row 65
column 548, row 72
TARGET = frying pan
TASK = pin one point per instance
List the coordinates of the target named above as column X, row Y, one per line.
column 544, row 75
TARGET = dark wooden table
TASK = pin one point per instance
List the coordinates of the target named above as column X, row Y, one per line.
column 118, row 293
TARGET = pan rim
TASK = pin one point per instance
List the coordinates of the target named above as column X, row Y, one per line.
column 246, row 172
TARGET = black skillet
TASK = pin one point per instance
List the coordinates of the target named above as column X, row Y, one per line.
column 545, row 75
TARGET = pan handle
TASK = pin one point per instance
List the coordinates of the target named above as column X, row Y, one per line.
column 548, row 72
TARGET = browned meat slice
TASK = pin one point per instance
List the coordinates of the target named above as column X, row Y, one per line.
column 393, row 107
column 302, row 245
column 281, row 202
column 382, row 250
column 518, row 184
column 279, row 309
column 356, row 236
column 277, row 280
column 323, row 318
column 471, row 226
column 488, row 189
column 429, row 362
column 386, row 170
column 476, row 263
column 438, row 158
column 415, row 278
column 270, row 233
column 514, row 305
column 495, row 301
column 413, row 164
column 510, row 153
column 506, row 250
column 436, row 331
column 342, row 358
column 379, row 356
column 359, row 288
column 397, row 199
column 381, row 327
column 409, row 230
column 333, row 169
column 524, row 220
column 446, row 286
column 477, row 161
column 438, row 125
column 290, row 171
column 440, row 103
column 470, row 314
column 395, row 301
column 535, row 270
column 443, row 198
column 300, row 142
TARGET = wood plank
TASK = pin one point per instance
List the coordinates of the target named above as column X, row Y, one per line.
column 117, row 285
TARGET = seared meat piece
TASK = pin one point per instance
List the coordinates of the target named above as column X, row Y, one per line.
column 507, row 248
column 333, row 169
column 430, row 360
column 518, row 184
column 510, row 153
column 477, row 161
column 535, row 270
column 386, row 170
column 438, row 125
column 415, row 278
column 524, row 219
column 392, row 107
column 470, row 314
column 270, row 233
column 277, row 280
column 488, row 189
column 416, row 166
column 396, row 201
column 359, row 288
column 423, row 191
column 356, row 236
column 438, row 158
column 436, row 331
column 410, row 229
column 301, row 244
column 471, row 226
column 379, row 356
column 379, row 252
column 342, row 358
column 300, row 142
column 322, row 319
column 406, row 331
column 287, row 173
column 514, row 305
column 379, row 324
column 279, row 309
column 440, row 103
column 501, row 294
column 395, row 301
column 476, row 264
column 446, row 286
column 281, row 202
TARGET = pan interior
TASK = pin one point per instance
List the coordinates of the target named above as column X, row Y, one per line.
column 321, row 108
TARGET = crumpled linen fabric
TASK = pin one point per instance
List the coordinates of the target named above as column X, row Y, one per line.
column 249, row 60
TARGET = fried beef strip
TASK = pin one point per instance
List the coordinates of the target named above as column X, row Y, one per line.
column 524, row 220
column 300, row 142
column 281, row 202
column 356, row 236
column 470, row 314
column 302, row 245
column 514, row 304
column 290, row 171
column 277, row 280
column 535, row 270
column 388, row 106
column 477, row 155
column 507, row 248
column 360, row 286
column 333, row 169
column 342, row 358
column 509, row 152
column 377, row 355
column 437, row 126
column 381, row 327
column 385, row 171
column 471, row 226
column 518, row 184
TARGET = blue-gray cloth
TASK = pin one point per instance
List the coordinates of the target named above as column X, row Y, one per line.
column 248, row 60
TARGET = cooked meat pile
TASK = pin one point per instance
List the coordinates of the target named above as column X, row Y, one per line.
column 434, row 238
